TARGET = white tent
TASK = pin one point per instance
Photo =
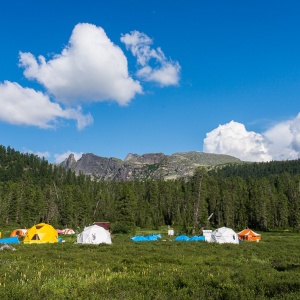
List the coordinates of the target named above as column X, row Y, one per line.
column 224, row 235
column 94, row 235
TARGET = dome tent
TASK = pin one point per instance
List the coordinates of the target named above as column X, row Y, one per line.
column 19, row 232
column 181, row 238
column 224, row 235
column 41, row 233
column 94, row 235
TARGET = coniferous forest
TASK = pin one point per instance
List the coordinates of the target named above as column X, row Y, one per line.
column 261, row 196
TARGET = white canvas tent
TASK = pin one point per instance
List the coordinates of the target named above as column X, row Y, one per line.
column 94, row 235
column 224, row 235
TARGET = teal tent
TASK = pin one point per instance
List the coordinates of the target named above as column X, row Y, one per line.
column 10, row 240
column 181, row 238
column 196, row 238
column 139, row 238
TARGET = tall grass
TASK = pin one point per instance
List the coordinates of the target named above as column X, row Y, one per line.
column 165, row 269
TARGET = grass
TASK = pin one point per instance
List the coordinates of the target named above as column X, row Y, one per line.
column 165, row 269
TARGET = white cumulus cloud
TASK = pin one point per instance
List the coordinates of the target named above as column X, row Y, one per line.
column 154, row 66
column 284, row 139
column 25, row 106
column 233, row 139
column 279, row 142
column 90, row 68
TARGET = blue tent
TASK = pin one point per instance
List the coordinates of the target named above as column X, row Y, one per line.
column 197, row 238
column 139, row 238
column 153, row 237
column 10, row 240
column 181, row 238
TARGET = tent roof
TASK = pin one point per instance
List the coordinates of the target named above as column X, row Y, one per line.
column 248, row 232
column 181, row 238
column 196, row 238
column 151, row 237
column 139, row 238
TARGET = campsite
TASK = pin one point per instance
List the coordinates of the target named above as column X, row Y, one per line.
column 172, row 258
column 160, row 269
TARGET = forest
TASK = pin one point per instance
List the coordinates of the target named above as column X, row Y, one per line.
column 261, row 196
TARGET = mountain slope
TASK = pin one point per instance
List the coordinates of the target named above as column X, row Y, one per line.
column 152, row 165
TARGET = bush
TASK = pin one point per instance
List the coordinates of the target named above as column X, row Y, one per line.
column 121, row 227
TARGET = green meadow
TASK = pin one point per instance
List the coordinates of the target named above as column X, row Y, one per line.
column 163, row 269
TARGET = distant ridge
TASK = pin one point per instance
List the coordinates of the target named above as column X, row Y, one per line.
column 146, row 166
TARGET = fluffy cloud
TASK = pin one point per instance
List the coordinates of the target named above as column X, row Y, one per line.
column 162, row 71
column 233, row 139
column 90, row 68
column 280, row 142
column 25, row 106
column 61, row 157
column 284, row 139
column 45, row 154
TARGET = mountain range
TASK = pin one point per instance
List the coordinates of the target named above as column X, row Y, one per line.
column 146, row 166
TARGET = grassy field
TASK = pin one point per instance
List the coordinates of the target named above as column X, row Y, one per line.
column 164, row 269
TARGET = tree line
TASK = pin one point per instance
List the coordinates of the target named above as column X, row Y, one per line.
column 32, row 190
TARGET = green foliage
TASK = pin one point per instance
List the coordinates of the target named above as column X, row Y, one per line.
column 122, row 227
column 263, row 196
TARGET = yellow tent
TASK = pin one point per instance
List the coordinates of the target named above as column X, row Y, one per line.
column 41, row 233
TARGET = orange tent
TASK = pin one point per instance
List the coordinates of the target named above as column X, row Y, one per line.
column 249, row 235
column 19, row 232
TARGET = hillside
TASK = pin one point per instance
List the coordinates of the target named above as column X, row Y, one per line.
column 262, row 196
column 152, row 165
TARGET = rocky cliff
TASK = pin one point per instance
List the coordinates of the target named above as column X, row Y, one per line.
column 153, row 165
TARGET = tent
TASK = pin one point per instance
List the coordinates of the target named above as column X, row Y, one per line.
column 68, row 231
column 153, row 237
column 197, row 238
column 139, row 238
column 41, row 233
column 224, row 235
column 19, row 232
column 249, row 235
column 94, row 234
column 10, row 240
column 147, row 238
column 181, row 238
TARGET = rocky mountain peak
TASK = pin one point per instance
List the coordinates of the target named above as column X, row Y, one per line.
column 146, row 166
column 69, row 162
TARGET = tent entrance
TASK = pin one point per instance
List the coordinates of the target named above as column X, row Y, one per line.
column 35, row 237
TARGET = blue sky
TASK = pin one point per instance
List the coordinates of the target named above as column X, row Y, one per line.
column 116, row 77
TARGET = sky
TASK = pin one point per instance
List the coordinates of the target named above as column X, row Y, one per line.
column 113, row 77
